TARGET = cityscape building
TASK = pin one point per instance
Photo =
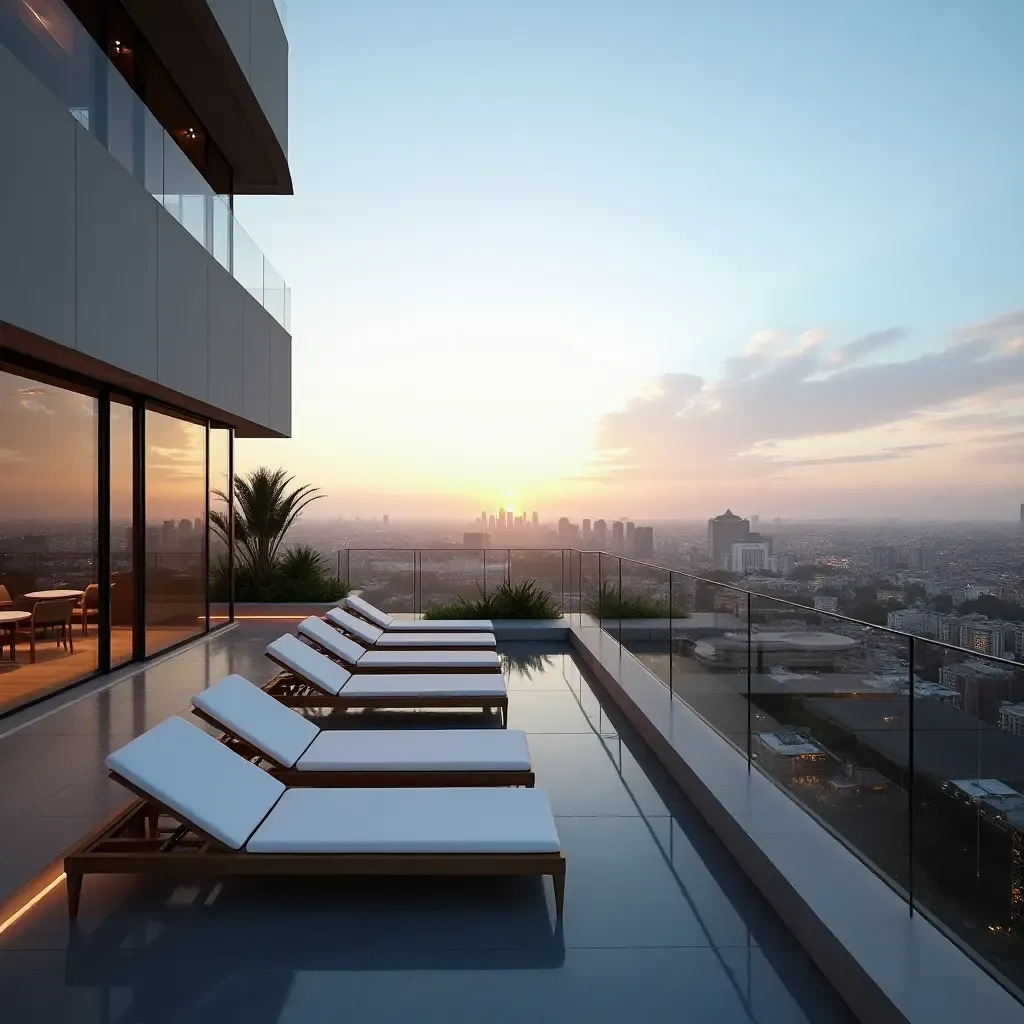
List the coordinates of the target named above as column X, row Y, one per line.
column 723, row 532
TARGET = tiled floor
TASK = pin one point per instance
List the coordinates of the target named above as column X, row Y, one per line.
column 660, row 925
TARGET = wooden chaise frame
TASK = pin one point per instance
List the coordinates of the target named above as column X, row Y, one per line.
column 297, row 691
column 292, row 777
column 137, row 841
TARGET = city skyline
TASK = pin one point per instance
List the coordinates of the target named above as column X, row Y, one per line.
column 814, row 309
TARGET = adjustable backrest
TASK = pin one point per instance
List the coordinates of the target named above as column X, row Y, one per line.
column 308, row 664
column 194, row 775
column 369, row 611
column 359, row 628
column 242, row 709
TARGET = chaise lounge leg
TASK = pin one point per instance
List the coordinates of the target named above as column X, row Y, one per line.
column 74, row 884
column 559, row 882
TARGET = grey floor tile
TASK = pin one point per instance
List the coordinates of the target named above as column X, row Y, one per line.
column 579, row 774
column 546, row 711
column 593, row 985
column 94, row 795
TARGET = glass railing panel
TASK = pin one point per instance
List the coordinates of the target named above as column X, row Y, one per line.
column 273, row 292
column 386, row 578
column 608, row 588
column 125, row 123
column 968, row 762
column 706, row 665
column 247, row 262
column 830, row 712
column 446, row 576
column 590, row 566
column 544, row 567
column 643, row 614
column 221, row 228
column 186, row 192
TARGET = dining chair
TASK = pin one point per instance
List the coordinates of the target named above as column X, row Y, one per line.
column 6, row 604
column 88, row 606
column 45, row 615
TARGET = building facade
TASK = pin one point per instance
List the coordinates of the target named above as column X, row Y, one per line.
column 724, row 531
column 141, row 329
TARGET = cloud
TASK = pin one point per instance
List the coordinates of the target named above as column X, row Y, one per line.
column 866, row 344
column 885, row 455
column 996, row 328
column 9, row 455
column 689, row 428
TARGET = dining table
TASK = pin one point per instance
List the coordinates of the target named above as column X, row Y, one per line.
column 53, row 595
column 9, row 621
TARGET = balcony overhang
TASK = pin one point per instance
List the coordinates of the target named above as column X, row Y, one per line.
column 189, row 42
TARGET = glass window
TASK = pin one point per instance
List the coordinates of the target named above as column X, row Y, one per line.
column 220, row 489
column 175, row 530
column 48, row 537
column 122, row 537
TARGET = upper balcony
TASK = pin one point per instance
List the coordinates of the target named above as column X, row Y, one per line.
column 105, row 281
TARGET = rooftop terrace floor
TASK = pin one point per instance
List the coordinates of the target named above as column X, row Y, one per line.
column 660, row 924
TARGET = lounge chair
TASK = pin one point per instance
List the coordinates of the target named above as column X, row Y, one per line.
column 228, row 818
column 358, row 659
column 312, row 680
column 299, row 753
column 373, row 637
column 382, row 620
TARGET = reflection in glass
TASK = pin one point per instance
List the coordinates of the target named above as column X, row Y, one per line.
column 48, row 535
column 122, row 545
column 175, row 530
column 220, row 489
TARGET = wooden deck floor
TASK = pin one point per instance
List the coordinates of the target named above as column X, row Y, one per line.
column 55, row 668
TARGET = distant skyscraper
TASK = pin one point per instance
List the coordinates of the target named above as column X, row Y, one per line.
column 630, row 537
column 601, row 535
column 1022, row 514
column 748, row 557
column 198, row 525
column 185, row 529
column 490, row 523
column 755, row 522
column 617, row 545
column 387, row 521
column 536, row 520
column 586, row 533
column 921, row 559
column 501, row 519
column 724, row 531
column 643, row 542
column 483, row 520
column 169, row 536
column 883, row 557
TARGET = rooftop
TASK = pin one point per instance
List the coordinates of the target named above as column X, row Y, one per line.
column 657, row 915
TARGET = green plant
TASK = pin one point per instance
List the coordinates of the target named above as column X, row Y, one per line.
column 265, row 509
column 607, row 603
column 526, row 600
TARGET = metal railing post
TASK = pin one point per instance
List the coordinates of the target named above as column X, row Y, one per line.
column 670, row 658
column 749, row 688
column 338, row 573
column 910, row 782
column 620, row 606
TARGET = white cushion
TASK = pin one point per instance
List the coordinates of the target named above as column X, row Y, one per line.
column 417, row 750
column 360, row 629
column 415, row 685
column 331, row 640
column 242, row 709
column 430, row 659
column 437, row 641
column 307, row 664
column 449, row 820
column 369, row 611
column 199, row 778
column 441, row 626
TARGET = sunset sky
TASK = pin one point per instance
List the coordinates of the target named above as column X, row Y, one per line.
column 654, row 258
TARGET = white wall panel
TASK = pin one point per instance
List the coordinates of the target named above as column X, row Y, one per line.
column 280, row 379
column 116, row 253
column 225, row 339
column 183, row 309
column 256, row 323
column 37, row 206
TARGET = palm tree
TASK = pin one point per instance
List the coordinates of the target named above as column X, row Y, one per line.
column 264, row 511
